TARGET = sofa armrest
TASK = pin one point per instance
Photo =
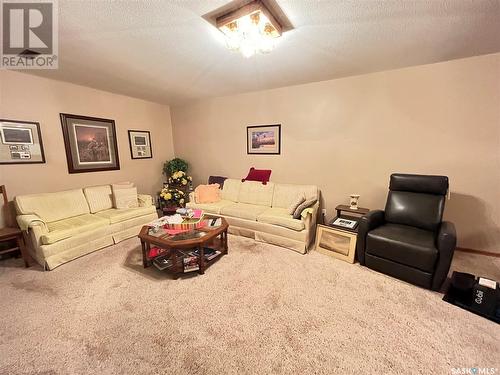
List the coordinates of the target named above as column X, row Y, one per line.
column 35, row 228
column 145, row 200
column 368, row 222
column 446, row 242
column 309, row 213
column 30, row 221
column 309, row 216
column 191, row 197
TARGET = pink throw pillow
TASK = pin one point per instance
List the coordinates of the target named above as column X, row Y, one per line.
column 207, row 193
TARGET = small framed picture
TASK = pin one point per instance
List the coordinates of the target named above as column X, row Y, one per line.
column 20, row 142
column 90, row 143
column 140, row 144
column 345, row 223
column 264, row 139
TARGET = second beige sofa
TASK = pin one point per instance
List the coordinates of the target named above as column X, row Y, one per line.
column 261, row 212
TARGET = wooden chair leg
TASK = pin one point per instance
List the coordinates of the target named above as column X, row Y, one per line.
column 22, row 248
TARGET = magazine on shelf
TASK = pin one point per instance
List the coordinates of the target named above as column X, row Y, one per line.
column 208, row 252
column 155, row 251
column 190, row 263
column 163, row 262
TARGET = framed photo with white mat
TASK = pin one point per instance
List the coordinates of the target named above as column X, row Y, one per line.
column 140, row 144
column 20, row 142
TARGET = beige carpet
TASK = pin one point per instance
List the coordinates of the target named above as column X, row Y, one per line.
column 260, row 310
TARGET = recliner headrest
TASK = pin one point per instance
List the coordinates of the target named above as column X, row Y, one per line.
column 419, row 183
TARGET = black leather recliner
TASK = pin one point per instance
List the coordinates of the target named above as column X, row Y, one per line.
column 409, row 240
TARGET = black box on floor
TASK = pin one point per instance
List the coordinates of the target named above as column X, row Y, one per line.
column 461, row 287
column 465, row 291
column 484, row 299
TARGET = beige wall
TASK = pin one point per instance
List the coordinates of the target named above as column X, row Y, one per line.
column 348, row 135
column 26, row 97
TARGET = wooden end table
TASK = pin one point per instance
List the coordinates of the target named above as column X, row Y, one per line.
column 337, row 241
column 8, row 234
column 213, row 237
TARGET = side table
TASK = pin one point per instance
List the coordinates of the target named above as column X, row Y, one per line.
column 8, row 234
column 337, row 241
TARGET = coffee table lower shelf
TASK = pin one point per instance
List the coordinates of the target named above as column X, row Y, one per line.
column 176, row 252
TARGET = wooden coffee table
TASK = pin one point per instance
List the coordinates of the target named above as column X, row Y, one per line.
column 198, row 239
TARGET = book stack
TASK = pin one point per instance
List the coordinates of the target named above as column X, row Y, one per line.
column 208, row 252
column 190, row 263
column 155, row 251
column 163, row 262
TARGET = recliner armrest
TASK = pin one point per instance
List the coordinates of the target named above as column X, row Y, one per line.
column 368, row 222
column 447, row 237
column 446, row 242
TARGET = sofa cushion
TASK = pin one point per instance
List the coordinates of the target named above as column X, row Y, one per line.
column 254, row 192
column 114, row 215
column 231, row 189
column 213, row 208
column 243, row 210
column 61, row 229
column 53, row 206
column 285, row 194
column 403, row 244
column 99, row 198
column 281, row 217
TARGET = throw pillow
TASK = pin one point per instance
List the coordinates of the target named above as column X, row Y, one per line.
column 217, row 180
column 207, row 193
column 122, row 185
column 301, row 207
column 301, row 198
column 261, row 175
column 99, row 198
column 118, row 186
column 126, row 198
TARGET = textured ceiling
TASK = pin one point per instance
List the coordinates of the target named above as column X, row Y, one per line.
column 166, row 52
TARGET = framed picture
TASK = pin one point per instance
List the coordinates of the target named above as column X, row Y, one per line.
column 20, row 142
column 140, row 144
column 337, row 243
column 345, row 223
column 264, row 139
column 90, row 143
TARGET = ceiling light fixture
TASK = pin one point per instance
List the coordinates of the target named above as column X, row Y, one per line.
column 250, row 29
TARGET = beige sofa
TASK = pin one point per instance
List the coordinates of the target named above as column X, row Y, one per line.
column 260, row 211
column 65, row 225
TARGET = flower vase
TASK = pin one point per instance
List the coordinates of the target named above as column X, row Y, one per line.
column 354, row 201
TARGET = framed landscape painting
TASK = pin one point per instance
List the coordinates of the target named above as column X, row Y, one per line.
column 90, row 143
column 264, row 139
column 140, row 144
column 20, row 142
